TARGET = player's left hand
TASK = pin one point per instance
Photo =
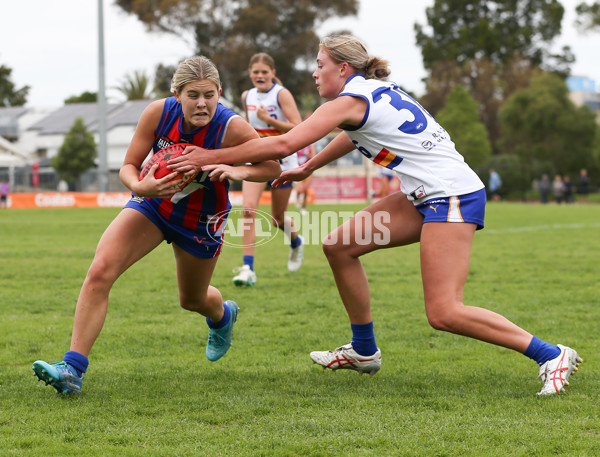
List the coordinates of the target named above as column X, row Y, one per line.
column 223, row 172
column 295, row 174
column 190, row 161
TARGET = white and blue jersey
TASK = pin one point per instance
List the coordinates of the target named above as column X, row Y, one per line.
column 399, row 134
column 270, row 100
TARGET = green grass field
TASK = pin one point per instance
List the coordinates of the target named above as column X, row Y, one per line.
column 150, row 391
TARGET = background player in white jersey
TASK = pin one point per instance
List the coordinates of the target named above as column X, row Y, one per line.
column 271, row 110
column 441, row 205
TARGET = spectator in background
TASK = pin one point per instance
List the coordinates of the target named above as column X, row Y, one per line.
column 62, row 186
column 583, row 187
column 568, row 188
column 544, row 187
column 4, row 191
column 558, row 189
column 494, row 185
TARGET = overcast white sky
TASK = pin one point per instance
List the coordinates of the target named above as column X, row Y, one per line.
column 52, row 46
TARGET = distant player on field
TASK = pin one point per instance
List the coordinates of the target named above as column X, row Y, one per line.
column 191, row 220
column 271, row 109
column 441, row 205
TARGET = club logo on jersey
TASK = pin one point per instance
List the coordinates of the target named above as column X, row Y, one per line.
column 387, row 159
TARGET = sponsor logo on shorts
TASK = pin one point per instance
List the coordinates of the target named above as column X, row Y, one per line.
column 418, row 193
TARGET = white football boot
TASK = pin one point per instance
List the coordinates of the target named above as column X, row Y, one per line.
column 555, row 372
column 345, row 357
column 296, row 256
column 245, row 276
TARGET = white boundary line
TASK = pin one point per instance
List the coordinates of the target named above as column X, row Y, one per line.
column 536, row 228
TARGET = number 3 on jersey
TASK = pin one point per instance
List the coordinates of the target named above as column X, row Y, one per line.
column 396, row 98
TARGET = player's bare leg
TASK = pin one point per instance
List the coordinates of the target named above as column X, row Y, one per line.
column 279, row 203
column 245, row 275
column 128, row 238
column 251, row 198
column 445, row 257
column 343, row 252
column 195, row 292
column 343, row 247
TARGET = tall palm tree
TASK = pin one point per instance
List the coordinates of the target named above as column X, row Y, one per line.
column 135, row 86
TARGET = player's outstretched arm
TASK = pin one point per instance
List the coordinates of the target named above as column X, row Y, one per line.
column 258, row 172
column 326, row 118
column 338, row 147
column 240, row 132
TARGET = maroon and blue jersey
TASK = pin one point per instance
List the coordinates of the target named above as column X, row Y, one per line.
column 202, row 201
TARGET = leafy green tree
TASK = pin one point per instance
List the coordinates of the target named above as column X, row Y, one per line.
column 594, row 167
column 488, row 83
column 466, row 30
column 588, row 15
column 9, row 94
column 76, row 155
column 135, row 86
column 162, row 80
column 85, row 97
column 542, row 126
column 460, row 117
column 230, row 32
column 490, row 47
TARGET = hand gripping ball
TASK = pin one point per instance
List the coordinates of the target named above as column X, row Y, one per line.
column 161, row 158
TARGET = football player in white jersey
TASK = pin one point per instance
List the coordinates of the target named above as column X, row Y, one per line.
column 271, row 109
column 441, row 205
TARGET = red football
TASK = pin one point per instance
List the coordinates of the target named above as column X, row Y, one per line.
column 161, row 157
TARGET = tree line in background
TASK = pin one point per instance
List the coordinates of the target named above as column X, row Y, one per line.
column 491, row 80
